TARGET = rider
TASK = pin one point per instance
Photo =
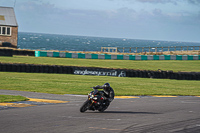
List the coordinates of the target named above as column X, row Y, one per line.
column 108, row 92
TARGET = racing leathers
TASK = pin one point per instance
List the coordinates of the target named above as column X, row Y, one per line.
column 108, row 94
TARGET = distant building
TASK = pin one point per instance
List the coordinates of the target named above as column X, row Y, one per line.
column 8, row 27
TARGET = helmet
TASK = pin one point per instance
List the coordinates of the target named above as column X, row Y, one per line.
column 106, row 87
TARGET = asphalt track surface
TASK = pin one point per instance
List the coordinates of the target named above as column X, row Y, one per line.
column 132, row 115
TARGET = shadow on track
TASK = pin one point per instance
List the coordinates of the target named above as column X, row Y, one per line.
column 124, row 112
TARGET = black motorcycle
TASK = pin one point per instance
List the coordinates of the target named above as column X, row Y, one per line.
column 96, row 101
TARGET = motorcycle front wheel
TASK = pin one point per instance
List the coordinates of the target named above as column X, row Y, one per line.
column 85, row 106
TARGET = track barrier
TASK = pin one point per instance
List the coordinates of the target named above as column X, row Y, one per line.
column 159, row 74
column 115, row 57
column 6, row 52
column 11, row 52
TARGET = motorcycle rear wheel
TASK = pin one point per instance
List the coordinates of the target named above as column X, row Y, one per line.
column 85, row 106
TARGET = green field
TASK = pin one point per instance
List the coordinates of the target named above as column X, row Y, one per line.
column 10, row 98
column 79, row 84
column 174, row 65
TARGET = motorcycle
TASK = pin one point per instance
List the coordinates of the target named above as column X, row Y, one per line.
column 96, row 101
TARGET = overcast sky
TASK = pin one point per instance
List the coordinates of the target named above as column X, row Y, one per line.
column 171, row 20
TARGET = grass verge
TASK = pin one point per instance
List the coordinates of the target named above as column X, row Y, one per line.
column 11, row 98
column 79, row 84
column 174, row 65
